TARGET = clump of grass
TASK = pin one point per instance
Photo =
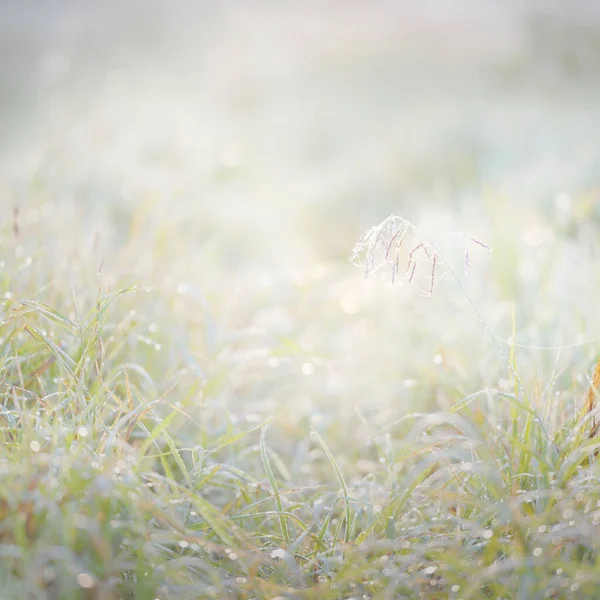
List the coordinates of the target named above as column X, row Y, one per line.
column 530, row 456
column 124, row 476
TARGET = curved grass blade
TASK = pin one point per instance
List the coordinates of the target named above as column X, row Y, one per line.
column 342, row 482
column 285, row 534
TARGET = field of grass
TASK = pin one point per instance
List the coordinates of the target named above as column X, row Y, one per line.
column 225, row 373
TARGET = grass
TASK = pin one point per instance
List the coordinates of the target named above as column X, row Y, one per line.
column 131, row 470
column 200, row 397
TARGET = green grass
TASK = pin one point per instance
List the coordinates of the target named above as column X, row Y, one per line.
column 200, row 397
column 136, row 461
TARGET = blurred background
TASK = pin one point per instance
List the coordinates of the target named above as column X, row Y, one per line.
column 235, row 151
column 301, row 113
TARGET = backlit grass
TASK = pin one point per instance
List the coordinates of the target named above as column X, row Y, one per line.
column 202, row 396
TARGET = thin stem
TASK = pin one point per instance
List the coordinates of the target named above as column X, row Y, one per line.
column 497, row 344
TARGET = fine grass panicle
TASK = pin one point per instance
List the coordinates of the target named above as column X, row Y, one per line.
column 398, row 246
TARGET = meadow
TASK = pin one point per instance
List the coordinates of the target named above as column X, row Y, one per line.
column 226, row 372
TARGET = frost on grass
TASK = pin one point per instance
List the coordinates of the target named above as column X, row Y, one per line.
column 397, row 247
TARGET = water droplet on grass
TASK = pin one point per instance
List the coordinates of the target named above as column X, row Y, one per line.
column 308, row 369
column 85, row 580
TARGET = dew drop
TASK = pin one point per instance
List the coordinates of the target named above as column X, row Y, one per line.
column 85, row 580
column 308, row 369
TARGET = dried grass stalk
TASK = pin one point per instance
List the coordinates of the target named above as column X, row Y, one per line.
column 590, row 399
